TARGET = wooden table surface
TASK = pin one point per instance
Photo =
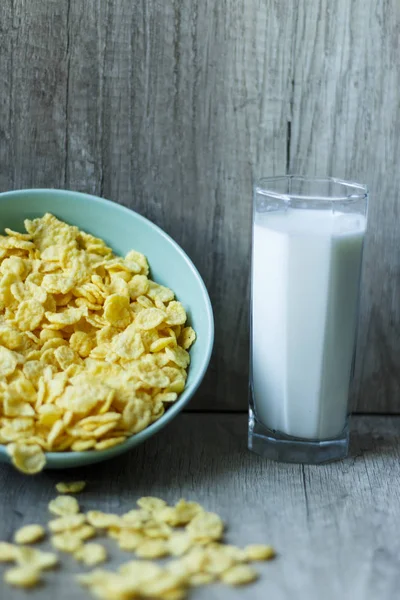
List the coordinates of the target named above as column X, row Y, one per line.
column 336, row 527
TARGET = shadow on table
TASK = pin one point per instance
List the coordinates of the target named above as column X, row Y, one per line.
column 375, row 436
column 195, row 450
column 198, row 450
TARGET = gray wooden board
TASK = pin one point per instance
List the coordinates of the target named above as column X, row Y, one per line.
column 345, row 115
column 336, row 527
column 173, row 107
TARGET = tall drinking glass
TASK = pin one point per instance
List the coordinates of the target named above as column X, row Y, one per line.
column 308, row 236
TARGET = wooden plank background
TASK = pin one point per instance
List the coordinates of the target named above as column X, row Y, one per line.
column 172, row 107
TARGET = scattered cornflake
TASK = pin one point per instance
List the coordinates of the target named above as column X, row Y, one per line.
column 73, row 487
column 66, row 541
column 259, row 552
column 7, row 552
column 151, row 504
column 29, row 534
column 66, row 523
column 91, row 554
column 85, row 532
column 152, row 549
column 179, row 543
column 25, row 555
column 175, row 594
column 239, row 575
column 154, row 530
column 127, row 540
column 201, row 579
column 64, row 505
column 158, row 586
column 25, row 577
column 205, row 527
column 102, row 520
column 181, row 514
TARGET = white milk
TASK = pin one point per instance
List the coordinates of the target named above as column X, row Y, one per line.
column 306, row 270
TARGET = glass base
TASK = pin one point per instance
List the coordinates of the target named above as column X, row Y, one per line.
column 283, row 448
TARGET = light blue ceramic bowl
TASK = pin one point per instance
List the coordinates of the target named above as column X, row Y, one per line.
column 123, row 230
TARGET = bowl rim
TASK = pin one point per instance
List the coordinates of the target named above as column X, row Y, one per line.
column 58, row 458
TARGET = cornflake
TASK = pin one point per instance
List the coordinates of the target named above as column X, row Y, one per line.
column 201, row 579
column 151, row 504
column 25, row 576
column 205, row 527
column 66, row 541
column 28, row 458
column 239, row 575
column 259, row 552
column 156, row 548
column 29, row 534
column 83, row 333
column 7, row 552
column 127, row 540
column 198, row 559
column 179, row 543
column 24, row 555
column 8, row 361
column 64, row 505
column 73, row 487
column 85, row 532
column 91, row 554
column 66, row 523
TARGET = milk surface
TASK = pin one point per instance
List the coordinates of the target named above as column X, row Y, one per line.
column 305, row 284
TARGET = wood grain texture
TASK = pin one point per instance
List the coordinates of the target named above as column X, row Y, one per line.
column 173, row 107
column 165, row 107
column 33, row 74
column 345, row 119
column 336, row 527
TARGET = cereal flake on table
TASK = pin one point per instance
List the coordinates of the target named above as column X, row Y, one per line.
column 186, row 534
column 92, row 351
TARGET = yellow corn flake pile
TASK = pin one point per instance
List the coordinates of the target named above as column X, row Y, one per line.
column 91, row 349
column 190, row 537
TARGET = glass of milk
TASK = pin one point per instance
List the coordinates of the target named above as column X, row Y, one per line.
column 308, row 236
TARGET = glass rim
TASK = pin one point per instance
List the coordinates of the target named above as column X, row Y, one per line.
column 264, row 187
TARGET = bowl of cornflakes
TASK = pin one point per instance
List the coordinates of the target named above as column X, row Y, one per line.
column 106, row 329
